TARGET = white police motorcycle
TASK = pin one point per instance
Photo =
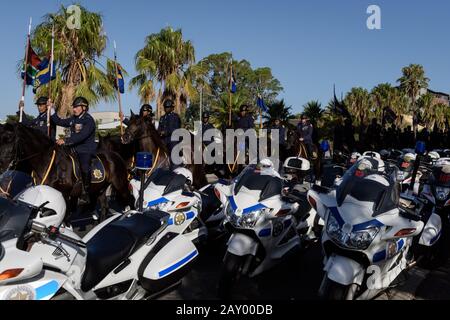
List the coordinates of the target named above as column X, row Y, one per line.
column 369, row 231
column 265, row 226
column 191, row 212
column 130, row 256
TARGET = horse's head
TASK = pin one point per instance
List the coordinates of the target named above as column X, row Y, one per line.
column 292, row 139
column 136, row 129
column 7, row 145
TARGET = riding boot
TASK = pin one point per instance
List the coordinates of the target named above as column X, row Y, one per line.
column 86, row 184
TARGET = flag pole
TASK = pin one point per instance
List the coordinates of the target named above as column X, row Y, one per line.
column 25, row 71
column 51, row 77
column 118, row 89
column 229, row 93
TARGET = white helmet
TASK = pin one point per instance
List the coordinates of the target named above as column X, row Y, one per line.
column 434, row 155
column 266, row 164
column 410, row 157
column 297, row 164
column 186, row 173
column 53, row 213
column 366, row 162
column 372, row 154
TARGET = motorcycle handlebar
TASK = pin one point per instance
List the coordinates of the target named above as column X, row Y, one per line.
column 53, row 232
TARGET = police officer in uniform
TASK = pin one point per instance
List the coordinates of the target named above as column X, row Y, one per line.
column 40, row 123
column 305, row 132
column 168, row 124
column 146, row 112
column 206, row 125
column 82, row 140
column 245, row 121
column 282, row 136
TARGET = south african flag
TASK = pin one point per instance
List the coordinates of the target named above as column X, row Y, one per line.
column 32, row 66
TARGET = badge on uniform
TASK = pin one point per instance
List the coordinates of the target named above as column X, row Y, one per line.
column 78, row 127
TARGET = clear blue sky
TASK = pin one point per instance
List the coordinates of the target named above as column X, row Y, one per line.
column 310, row 45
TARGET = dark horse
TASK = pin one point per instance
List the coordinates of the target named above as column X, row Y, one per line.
column 143, row 132
column 297, row 148
column 32, row 152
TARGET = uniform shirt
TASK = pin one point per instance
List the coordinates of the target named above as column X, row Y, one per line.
column 40, row 123
column 168, row 124
column 82, row 129
column 245, row 123
column 282, row 134
column 305, row 132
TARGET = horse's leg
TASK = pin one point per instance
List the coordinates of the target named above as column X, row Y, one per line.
column 103, row 200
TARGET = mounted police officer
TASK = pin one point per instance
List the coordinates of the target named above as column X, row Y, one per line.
column 305, row 132
column 40, row 122
column 168, row 124
column 245, row 121
column 82, row 140
column 276, row 125
column 146, row 112
column 206, row 125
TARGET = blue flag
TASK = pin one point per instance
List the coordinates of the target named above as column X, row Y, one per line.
column 233, row 85
column 120, row 80
column 260, row 103
column 43, row 75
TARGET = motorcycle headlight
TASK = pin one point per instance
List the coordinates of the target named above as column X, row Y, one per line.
column 442, row 193
column 359, row 240
column 247, row 221
column 160, row 207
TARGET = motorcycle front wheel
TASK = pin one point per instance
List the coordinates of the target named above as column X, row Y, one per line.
column 231, row 270
column 331, row 290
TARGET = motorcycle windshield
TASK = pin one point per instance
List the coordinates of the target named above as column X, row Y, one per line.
column 368, row 186
column 269, row 186
column 172, row 181
column 13, row 219
column 14, row 182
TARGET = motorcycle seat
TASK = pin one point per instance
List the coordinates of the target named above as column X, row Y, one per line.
column 115, row 243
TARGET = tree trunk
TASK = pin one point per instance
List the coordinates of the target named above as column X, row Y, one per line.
column 159, row 105
column 68, row 93
column 178, row 103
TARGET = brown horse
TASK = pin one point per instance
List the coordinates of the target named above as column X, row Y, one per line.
column 297, row 148
column 142, row 131
column 55, row 166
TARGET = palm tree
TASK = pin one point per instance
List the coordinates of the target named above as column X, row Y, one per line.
column 382, row 96
column 412, row 82
column 432, row 114
column 76, row 54
column 165, row 59
column 278, row 110
column 313, row 110
column 358, row 102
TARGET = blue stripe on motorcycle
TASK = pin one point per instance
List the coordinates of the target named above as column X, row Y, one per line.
column 337, row 216
column 367, row 225
column 178, row 264
column 157, row 201
column 379, row 256
column 233, row 203
column 190, row 215
column 46, row 290
column 436, row 238
column 254, row 208
column 170, row 222
column 265, row 233
column 400, row 245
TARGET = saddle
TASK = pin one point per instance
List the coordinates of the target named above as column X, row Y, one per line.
column 98, row 172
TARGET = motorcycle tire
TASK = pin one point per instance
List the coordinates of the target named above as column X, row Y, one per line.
column 229, row 274
column 332, row 290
